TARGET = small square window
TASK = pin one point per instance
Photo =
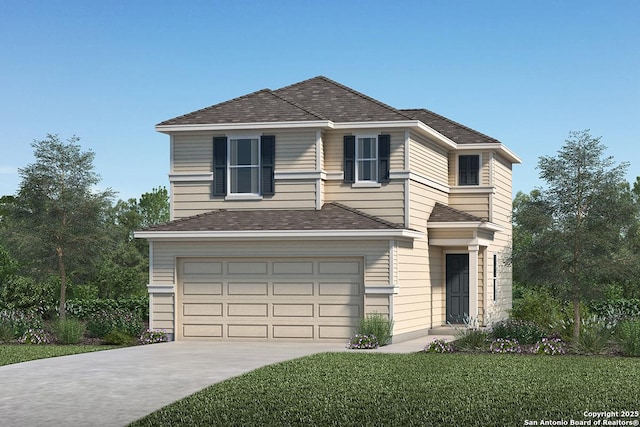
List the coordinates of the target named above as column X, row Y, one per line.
column 469, row 170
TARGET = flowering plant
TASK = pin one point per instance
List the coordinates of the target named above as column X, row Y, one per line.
column 35, row 336
column 152, row 336
column 363, row 342
column 551, row 347
column 439, row 346
column 504, row 346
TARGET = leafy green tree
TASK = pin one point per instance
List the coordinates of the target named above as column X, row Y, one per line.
column 56, row 221
column 570, row 235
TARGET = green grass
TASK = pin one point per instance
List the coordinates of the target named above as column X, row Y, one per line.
column 412, row 389
column 16, row 353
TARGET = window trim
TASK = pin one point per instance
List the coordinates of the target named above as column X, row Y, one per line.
column 240, row 196
column 374, row 159
column 479, row 156
column 495, row 277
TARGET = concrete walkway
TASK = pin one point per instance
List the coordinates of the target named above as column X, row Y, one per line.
column 116, row 387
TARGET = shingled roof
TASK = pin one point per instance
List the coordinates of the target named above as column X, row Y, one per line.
column 444, row 213
column 332, row 216
column 321, row 98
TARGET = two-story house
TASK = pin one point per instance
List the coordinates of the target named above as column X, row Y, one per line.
column 297, row 211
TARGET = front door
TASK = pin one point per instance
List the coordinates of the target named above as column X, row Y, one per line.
column 457, row 288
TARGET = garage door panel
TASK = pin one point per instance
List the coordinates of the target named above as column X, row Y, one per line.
column 202, row 331
column 327, row 289
column 247, row 331
column 292, row 267
column 247, row 268
column 293, row 331
column 335, row 332
column 197, row 309
column 339, row 267
column 292, row 310
column 340, row 310
column 202, row 267
column 247, row 289
column 293, row 288
column 202, row 288
column 248, row 310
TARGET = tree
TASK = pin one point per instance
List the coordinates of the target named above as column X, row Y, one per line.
column 57, row 217
column 569, row 235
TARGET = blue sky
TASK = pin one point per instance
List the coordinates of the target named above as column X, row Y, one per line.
column 523, row 72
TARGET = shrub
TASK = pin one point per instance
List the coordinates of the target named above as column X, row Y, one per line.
column 153, row 336
column 629, row 337
column 20, row 321
column 86, row 308
column 363, row 342
column 7, row 333
column 595, row 333
column 537, row 306
column 504, row 346
column 471, row 339
column 35, row 336
column 69, row 331
column 438, row 346
column 551, row 347
column 101, row 323
column 118, row 337
column 523, row 331
column 377, row 325
column 615, row 311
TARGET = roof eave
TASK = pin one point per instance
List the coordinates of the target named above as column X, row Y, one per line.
column 500, row 148
column 483, row 225
column 244, row 126
column 280, row 234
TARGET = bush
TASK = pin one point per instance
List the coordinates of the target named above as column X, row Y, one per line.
column 35, row 336
column 84, row 309
column 629, row 337
column 363, row 342
column 7, row 333
column 536, row 306
column 377, row 325
column 118, row 337
column 438, row 346
column 595, row 333
column 505, row 346
column 153, row 336
column 523, row 331
column 615, row 311
column 101, row 323
column 69, row 331
column 471, row 339
column 20, row 321
column 27, row 294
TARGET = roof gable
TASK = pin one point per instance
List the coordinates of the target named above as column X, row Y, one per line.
column 456, row 132
column 444, row 213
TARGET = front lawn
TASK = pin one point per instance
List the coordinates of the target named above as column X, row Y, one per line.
column 413, row 389
column 16, row 353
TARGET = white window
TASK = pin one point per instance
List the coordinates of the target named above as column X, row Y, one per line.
column 366, row 159
column 244, row 166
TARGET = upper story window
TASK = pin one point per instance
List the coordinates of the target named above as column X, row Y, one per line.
column 366, row 158
column 469, row 170
column 244, row 166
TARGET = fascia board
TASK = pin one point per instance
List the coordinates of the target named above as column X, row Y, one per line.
column 465, row 225
column 276, row 234
column 500, row 148
column 244, row 126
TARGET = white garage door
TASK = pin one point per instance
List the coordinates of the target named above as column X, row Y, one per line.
column 265, row 298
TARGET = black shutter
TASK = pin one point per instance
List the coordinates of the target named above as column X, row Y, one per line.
column 219, row 166
column 267, row 164
column 349, row 159
column 384, row 153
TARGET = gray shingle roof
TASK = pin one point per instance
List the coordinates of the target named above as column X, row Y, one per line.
column 332, row 216
column 320, row 98
column 444, row 213
column 456, row 132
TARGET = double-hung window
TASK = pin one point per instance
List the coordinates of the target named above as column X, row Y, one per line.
column 366, row 158
column 244, row 166
column 469, row 170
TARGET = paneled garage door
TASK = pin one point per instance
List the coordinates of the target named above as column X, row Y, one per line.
column 265, row 298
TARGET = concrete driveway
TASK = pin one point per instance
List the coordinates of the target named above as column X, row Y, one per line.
column 116, row 387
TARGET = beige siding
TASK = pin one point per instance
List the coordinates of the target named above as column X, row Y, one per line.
column 428, row 159
column 386, row 202
column 412, row 303
column 162, row 312
column 195, row 198
column 422, row 199
column 192, row 153
column 333, row 147
column 471, row 203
